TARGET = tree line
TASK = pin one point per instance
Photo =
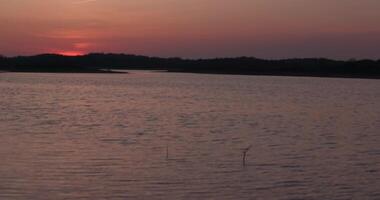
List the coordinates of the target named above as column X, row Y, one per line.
column 101, row 62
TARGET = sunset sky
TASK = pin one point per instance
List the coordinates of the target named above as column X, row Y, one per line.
column 340, row 29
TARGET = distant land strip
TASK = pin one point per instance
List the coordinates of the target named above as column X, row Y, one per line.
column 104, row 63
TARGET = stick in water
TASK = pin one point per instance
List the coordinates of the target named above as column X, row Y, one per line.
column 245, row 153
column 167, row 151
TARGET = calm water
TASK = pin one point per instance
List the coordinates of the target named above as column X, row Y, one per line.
column 101, row 136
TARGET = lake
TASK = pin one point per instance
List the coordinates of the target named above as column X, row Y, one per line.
column 153, row 135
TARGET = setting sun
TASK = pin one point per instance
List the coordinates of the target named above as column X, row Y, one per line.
column 70, row 53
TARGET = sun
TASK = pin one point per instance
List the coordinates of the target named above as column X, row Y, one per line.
column 71, row 53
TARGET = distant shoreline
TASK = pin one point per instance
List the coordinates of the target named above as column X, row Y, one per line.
column 69, row 72
column 103, row 63
column 281, row 74
column 208, row 72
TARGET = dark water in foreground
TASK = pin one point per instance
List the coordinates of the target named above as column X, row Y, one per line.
column 104, row 136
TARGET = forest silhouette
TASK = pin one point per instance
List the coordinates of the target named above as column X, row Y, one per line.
column 103, row 63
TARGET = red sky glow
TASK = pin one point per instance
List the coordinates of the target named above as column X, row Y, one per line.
column 198, row 28
column 68, row 53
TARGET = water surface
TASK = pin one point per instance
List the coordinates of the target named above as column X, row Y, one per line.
column 104, row 136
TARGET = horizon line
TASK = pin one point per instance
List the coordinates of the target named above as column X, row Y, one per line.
column 188, row 58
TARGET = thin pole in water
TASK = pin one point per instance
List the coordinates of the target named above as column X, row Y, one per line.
column 245, row 153
column 167, row 151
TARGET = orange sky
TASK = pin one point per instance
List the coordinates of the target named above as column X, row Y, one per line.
column 197, row 28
